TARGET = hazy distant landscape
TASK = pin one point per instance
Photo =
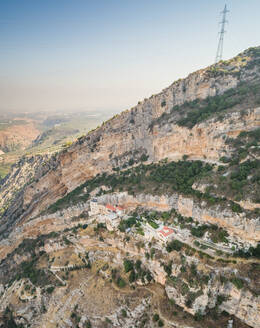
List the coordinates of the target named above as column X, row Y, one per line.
column 27, row 134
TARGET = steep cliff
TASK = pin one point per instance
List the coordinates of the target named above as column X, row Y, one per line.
column 187, row 157
column 136, row 132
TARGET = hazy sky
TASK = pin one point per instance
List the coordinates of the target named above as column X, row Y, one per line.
column 87, row 54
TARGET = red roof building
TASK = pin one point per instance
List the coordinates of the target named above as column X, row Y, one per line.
column 166, row 231
column 110, row 208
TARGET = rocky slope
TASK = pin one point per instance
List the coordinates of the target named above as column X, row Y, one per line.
column 18, row 136
column 211, row 118
column 66, row 268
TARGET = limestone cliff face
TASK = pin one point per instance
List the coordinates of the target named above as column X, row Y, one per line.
column 205, row 141
column 242, row 303
column 129, row 135
column 236, row 224
column 25, row 173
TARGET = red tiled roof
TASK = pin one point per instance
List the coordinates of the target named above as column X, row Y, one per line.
column 166, row 231
column 110, row 207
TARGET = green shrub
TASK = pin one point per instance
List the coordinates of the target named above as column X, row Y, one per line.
column 163, row 103
column 144, row 158
column 252, row 252
column 153, row 224
column 120, row 282
column 50, row 289
column 132, row 276
column 8, row 320
column 200, row 110
column 198, row 316
column 236, row 207
column 174, row 245
column 128, row 265
column 221, row 299
column 168, row 268
column 156, row 317
column 184, row 288
column 193, row 269
column 124, row 313
column 237, row 282
column 199, row 231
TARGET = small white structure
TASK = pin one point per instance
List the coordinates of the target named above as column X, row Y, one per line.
column 230, row 323
column 184, row 233
column 108, row 213
column 112, row 221
column 149, row 231
column 94, row 207
column 119, row 210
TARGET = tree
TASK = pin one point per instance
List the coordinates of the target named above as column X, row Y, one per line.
column 156, row 317
column 132, row 276
column 120, row 282
column 174, row 245
column 128, row 265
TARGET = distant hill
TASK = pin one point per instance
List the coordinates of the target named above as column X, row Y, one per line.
column 42, row 133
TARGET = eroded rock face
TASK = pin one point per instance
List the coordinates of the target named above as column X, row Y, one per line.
column 236, row 224
column 242, row 303
column 24, row 176
column 86, row 288
column 205, row 141
column 130, row 135
column 36, row 183
column 40, row 310
column 79, row 163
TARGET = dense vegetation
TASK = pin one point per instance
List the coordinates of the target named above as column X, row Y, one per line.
column 199, row 110
column 174, row 176
column 29, row 249
column 254, row 52
column 239, row 176
column 155, row 178
column 8, row 320
column 136, row 271
column 251, row 252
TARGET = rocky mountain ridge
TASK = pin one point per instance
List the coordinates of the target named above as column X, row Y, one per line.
column 189, row 154
column 128, row 134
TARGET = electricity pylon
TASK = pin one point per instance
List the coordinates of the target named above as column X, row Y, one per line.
column 221, row 33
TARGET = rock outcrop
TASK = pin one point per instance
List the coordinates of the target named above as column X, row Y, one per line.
column 242, row 303
column 64, row 268
column 129, row 135
column 236, row 224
